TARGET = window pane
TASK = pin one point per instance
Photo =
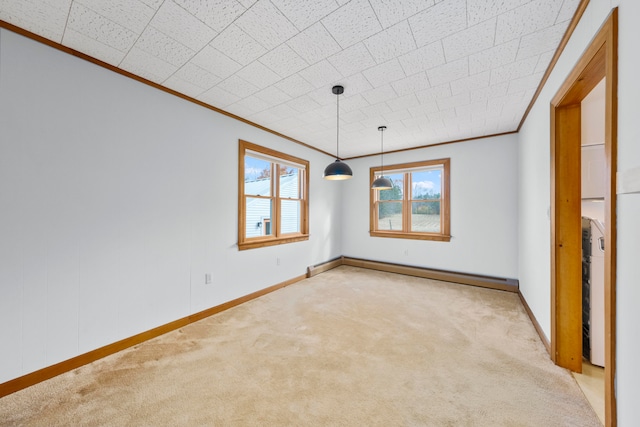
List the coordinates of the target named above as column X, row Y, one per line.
column 257, row 177
column 290, row 216
column 289, row 182
column 426, row 184
column 425, row 217
column 390, row 216
column 396, row 192
column 258, row 217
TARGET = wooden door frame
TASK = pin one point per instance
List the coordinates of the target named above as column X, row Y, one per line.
column 600, row 60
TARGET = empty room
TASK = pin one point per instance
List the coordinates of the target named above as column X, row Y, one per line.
column 328, row 212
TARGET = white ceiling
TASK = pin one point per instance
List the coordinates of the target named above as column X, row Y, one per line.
column 430, row 70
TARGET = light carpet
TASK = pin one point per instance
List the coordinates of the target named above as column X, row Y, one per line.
column 349, row 347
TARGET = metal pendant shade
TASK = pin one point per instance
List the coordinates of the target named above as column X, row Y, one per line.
column 382, row 183
column 338, row 170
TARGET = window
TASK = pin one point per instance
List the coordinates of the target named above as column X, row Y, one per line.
column 272, row 204
column 417, row 207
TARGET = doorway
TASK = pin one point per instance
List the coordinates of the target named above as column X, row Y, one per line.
column 598, row 61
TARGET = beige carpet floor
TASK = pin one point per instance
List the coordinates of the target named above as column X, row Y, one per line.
column 349, row 347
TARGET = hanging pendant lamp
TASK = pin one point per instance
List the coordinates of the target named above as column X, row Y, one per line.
column 382, row 183
column 338, row 170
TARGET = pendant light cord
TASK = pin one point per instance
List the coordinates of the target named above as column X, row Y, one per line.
column 381, row 153
column 338, row 127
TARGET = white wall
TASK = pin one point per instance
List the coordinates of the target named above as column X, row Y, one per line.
column 115, row 200
column 534, row 225
column 483, row 211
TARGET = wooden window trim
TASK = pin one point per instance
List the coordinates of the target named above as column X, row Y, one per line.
column 277, row 238
column 445, row 211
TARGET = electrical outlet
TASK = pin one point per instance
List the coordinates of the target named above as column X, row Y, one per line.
column 277, row 261
column 406, row 252
column 207, row 278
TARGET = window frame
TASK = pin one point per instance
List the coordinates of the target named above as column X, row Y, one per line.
column 407, row 168
column 277, row 238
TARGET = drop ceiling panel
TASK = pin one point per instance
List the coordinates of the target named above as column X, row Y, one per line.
column 314, row 44
column 304, row 13
column 352, row 23
column 431, row 70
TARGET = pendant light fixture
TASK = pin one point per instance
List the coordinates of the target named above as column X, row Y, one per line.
column 338, row 170
column 382, row 183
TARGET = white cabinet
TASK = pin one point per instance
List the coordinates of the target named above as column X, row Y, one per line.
column 593, row 171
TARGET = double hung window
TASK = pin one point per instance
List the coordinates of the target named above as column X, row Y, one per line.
column 273, row 197
column 417, row 206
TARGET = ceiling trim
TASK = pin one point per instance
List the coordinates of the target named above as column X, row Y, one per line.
column 563, row 43
column 68, row 50
column 455, row 141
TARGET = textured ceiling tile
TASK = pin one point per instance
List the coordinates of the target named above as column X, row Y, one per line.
column 272, row 95
column 411, row 84
column 266, row 24
column 218, row 97
column 567, row 11
column 439, row 21
column 390, row 43
column 303, row 13
column 434, row 93
column 131, row 14
column 179, row 85
column 303, row 104
column 251, row 105
column 197, row 76
column 148, row 66
column 259, row 75
column 324, row 96
column 473, row 39
column 91, row 47
column 353, row 103
column 513, row 70
column 543, row 61
column 526, row 19
column 45, row 18
column 154, row 4
column 87, row 22
column 247, row 3
column 163, row 47
column 180, row 25
column 424, row 108
column 380, row 94
column 295, row 86
column 478, row 107
column 467, row 84
column 489, row 92
column 355, row 85
column 545, row 40
column 501, row 101
column 215, row 62
column 396, row 116
column 493, row 57
column 238, row 45
column 283, row 111
column 391, row 12
column 453, row 101
column 425, row 58
column 384, row 73
column 217, row 14
column 352, row 116
column 238, row 86
column 374, row 111
column 525, row 83
column 352, row 60
column 283, row 60
column 321, row 74
column 481, row 10
column 403, row 103
column 314, row 44
column 448, row 72
column 352, row 23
